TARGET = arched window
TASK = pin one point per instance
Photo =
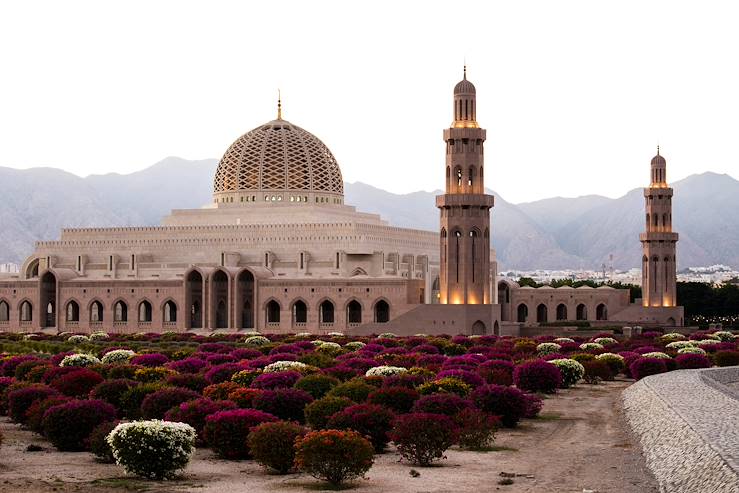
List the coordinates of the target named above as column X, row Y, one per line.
column 4, row 311
column 273, row 312
column 96, row 311
column 470, row 173
column 648, row 220
column 354, row 312
column 326, row 312
column 170, row 311
column 221, row 315
column 541, row 313
column 561, row 311
column 300, row 312
column 664, row 221
column 581, row 312
column 382, row 312
column 473, row 241
column 73, row 312
column 457, row 239
column 120, row 312
column 655, row 218
column 522, row 312
column 601, row 312
column 26, row 310
column 145, row 311
column 458, row 172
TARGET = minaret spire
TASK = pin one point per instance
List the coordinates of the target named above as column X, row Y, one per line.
column 279, row 105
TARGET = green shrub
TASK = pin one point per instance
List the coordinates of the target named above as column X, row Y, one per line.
column 423, row 437
column 152, row 449
column 334, row 456
column 449, row 385
column 318, row 412
column 317, row 384
column 273, row 444
column 132, row 399
column 98, row 443
column 356, row 390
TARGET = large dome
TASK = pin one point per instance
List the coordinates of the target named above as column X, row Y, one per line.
column 278, row 162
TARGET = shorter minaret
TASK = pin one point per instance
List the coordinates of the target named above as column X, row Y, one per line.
column 659, row 263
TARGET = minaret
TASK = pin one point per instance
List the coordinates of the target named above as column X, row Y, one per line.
column 465, row 209
column 659, row 272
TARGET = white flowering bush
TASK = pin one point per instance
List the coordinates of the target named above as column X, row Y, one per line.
column 691, row 350
column 336, row 334
column 672, row 337
column 420, row 335
column 117, row 357
column 548, row 348
column 679, row 345
column 656, row 354
column 79, row 359
column 99, row 335
column 78, row 339
column 615, row 362
column 303, row 334
column 563, row 340
column 605, row 341
column 354, row 345
column 278, row 366
column 707, row 342
column 724, row 336
column 29, row 337
column 256, row 341
column 384, row 371
column 317, row 342
column 605, row 356
column 332, row 348
column 572, row 371
column 387, row 335
column 152, row 449
column 591, row 346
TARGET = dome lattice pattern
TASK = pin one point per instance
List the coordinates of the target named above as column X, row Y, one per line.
column 278, row 156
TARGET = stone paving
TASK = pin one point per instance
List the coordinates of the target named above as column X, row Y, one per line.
column 688, row 424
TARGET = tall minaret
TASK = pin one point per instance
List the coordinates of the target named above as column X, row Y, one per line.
column 465, row 209
column 659, row 272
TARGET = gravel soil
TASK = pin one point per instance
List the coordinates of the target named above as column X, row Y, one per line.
column 581, row 443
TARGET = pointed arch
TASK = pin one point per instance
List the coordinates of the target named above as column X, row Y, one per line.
column 145, row 311
column 32, row 269
column 359, row 272
column 353, row 311
column 194, row 282
column 381, row 309
column 562, row 312
column 47, row 288
column 95, row 311
column 272, row 310
column 245, row 298
column 299, row 310
column 4, row 311
column 541, row 313
column 478, row 328
column 326, row 312
column 72, row 311
column 25, row 311
column 169, row 311
column 581, row 312
column 601, row 312
column 220, row 281
column 522, row 312
column 120, row 311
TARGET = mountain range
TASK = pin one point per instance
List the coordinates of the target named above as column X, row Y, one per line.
column 554, row 233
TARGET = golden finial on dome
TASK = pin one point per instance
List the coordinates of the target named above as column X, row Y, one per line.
column 279, row 105
column 465, row 69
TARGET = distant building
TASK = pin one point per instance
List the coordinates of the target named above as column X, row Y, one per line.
column 278, row 251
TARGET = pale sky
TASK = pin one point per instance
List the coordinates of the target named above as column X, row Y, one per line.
column 575, row 95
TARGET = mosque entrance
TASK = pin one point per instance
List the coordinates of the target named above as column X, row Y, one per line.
column 245, row 295
column 48, row 300
column 194, row 299
column 219, row 295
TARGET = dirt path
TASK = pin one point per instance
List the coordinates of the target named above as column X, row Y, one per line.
column 580, row 444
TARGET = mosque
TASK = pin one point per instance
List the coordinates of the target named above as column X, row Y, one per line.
column 278, row 251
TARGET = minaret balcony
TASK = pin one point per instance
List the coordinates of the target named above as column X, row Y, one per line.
column 465, row 199
column 656, row 236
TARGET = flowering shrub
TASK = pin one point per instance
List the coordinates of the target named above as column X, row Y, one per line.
column 591, row 346
column 256, row 341
column 476, row 429
column 111, row 391
column 273, row 444
column 187, row 365
column 680, row 345
column 287, row 404
column 226, row 431
column 244, row 397
column 605, row 341
column 317, row 384
column 354, row 345
column 726, row 358
column 562, row 340
column 151, row 360
column 19, row 400
column 724, row 336
column 572, row 371
column 449, row 384
column 548, row 348
column 78, row 383
column 118, row 357
column 533, row 405
column 156, row 404
column 194, row 413
column 614, row 361
column 537, row 376
column 152, row 374
column 222, row 372
column 399, row 399
column 596, row 371
column 280, row 366
column 332, row 348
column 691, row 350
column 356, row 390
column 68, row 425
column 220, row 391
column 423, row 437
column 334, row 456
column 270, row 381
column 370, row 420
column 152, row 449
column 318, row 412
column 707, row 342
column 691, row 361
column 99, row 335
column 35, row 413
column 132, row 398
column 507, row 402
column 468, row 377
column 79, row 359
column 643, row 367
column 78, row 339
column 671, row 337
column 447, row 404
column 385, row 371
column 98, row 444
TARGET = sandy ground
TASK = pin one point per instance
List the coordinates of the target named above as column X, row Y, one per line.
column 582, row 443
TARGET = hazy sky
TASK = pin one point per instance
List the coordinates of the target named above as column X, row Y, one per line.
column 575, row 95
